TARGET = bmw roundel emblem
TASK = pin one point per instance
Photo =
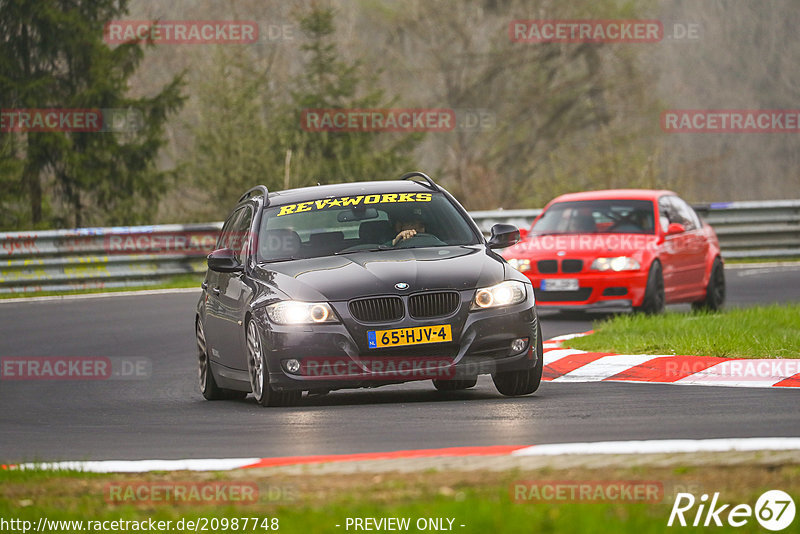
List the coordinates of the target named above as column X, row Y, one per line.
column 401, row 285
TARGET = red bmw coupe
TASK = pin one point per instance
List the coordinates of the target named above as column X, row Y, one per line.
column 621, row 249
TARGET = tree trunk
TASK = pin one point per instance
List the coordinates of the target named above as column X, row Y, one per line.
column 33, row 183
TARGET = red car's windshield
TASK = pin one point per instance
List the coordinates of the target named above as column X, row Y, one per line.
column 597, row 216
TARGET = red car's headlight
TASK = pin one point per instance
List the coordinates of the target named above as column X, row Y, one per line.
column 616, row 264
column 520, row 265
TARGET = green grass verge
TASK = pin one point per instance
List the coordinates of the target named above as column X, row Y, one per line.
column 757, row 332
column 481, row 501
column 172, row 282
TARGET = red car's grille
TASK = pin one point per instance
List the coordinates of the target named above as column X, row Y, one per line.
column 571, row 266
column 547, row 266
column 567, row 266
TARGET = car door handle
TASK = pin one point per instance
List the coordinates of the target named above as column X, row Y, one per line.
column 215, row 291
column 204, row 285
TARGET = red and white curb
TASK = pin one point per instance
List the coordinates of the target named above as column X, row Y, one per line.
column 563, row 364
column 669, row 446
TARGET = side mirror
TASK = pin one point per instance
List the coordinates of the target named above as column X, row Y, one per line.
column 223, row 261
column 523, row 233
column 675, row 228
column 503, row 235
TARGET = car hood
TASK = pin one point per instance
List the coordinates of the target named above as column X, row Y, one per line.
column 582, row 245
column 336, row 278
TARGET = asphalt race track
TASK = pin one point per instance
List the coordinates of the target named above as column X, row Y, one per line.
column 164, row 416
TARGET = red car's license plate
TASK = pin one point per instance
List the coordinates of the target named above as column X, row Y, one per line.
column 560, row 284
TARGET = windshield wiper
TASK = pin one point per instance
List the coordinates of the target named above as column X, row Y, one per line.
column 362, row 250
column 278, row 260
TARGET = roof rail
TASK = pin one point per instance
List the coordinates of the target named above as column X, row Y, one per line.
column 260, row 188
column 417, row 174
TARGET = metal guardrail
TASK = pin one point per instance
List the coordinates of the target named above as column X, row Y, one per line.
column 130, row 256
column 92, row 258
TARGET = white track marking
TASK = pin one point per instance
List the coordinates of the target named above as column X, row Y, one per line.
column 604, row 367
column 738, row 372
column 762, row 266
column 744, row 373
column 567, row 336
column 669, row 446
column 142, row 466
column 663, row 446
column 81, row 296
column 555, row 355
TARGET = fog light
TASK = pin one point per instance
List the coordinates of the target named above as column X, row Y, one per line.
column 292, row 365
column 519, row 344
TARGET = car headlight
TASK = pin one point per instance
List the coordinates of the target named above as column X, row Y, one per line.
column 293, row 312
column 616, row 264
column 520, row 265
column 503, row 294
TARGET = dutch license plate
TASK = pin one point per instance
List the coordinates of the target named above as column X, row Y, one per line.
column 560, row 284
column 409, row 336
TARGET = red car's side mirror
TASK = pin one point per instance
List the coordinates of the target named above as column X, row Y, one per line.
column 675, row 228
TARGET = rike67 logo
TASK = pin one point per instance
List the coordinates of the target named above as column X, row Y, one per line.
column 774, row 510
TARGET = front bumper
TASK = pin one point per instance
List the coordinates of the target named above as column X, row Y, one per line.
column 596, row 291
column 335, row 356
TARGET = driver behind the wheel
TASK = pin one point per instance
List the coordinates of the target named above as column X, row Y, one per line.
column 408, row 224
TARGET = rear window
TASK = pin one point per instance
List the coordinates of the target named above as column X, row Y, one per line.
column 348, row 224
column 597, row 217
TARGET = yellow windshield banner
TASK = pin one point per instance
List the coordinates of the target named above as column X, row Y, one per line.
column 343, row 202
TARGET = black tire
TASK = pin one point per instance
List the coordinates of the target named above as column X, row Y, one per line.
column 262, row 391
column 653, row 303
column 525, row 382
column 208, row 386
column 454, row 385
column 715, row 290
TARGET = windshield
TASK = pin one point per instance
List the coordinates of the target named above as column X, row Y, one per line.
column 350, row 224
column 597, row 217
